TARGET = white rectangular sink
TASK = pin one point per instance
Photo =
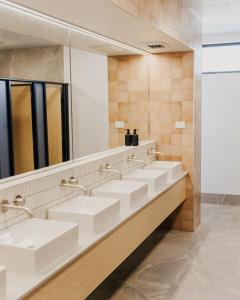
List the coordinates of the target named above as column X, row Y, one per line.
column 92, row 214
column 155, row 179
column 33, row 244
column 173, row 168
column 3, row 282
column 130, row 193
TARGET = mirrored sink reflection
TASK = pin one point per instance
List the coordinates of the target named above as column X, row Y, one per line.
column 130, row 193
column 155, row 179
column 92, row 214
column 33, row 244
column 3, row 282
column 173, row 168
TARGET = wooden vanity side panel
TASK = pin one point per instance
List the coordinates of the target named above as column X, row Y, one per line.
column 81, row 277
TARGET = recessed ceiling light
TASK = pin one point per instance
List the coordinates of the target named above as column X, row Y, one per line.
column 67, row 25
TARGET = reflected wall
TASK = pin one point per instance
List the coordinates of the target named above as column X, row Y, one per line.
column 90, row 102
column 128, row 96
column 45, row 63
column 35, row 100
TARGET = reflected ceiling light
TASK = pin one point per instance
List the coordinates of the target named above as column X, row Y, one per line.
column 67, row 25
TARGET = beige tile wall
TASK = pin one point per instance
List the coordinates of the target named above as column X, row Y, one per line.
column 177, row 21
column 171, row 100
column 158, row 91
column 128, row 96
column 197, row 88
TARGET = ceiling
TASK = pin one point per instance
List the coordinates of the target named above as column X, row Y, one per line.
column 219, row 16
column 105, row 19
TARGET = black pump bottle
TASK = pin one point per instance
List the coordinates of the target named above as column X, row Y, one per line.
column 135, row 141
column 128, row 138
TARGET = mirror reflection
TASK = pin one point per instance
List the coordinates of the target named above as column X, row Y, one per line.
column 65, row 101
column 34, row 101
column 107, row 82
column 89, row 82
column 55, row 124
column 34, row 125
column 22, row 127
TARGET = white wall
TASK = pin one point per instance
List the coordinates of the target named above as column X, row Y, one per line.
column 221, row 133
column 89, row 102
column 221, row 38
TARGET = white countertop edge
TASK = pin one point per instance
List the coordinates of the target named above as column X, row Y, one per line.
column 17, row 281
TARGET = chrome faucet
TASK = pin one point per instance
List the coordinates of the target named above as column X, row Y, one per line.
column 108, row 168
column 133, row 158
column 73, row 182
column 153, row 151
column 18, row 204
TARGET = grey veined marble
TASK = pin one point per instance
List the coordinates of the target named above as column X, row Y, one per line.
column 175, row 265
column 41, row 63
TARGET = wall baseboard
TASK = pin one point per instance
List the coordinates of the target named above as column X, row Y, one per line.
column 220, row 199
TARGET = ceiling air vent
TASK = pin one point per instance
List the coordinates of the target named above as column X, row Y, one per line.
column 156, row 46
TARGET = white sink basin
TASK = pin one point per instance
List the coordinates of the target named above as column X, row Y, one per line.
column 130, row 193
column 92, row 214
column 3, row 282
column 155, row 179
column 33, row 244
column 173, row 168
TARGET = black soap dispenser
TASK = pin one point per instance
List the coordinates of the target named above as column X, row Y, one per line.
column 128, row 138
column 135, row 140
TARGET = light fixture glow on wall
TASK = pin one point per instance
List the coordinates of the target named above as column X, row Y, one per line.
column 46, row 18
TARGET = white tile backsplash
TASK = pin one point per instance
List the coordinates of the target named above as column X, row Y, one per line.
column 42, row 190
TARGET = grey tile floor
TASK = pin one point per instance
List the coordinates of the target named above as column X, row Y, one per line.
column 175, row 265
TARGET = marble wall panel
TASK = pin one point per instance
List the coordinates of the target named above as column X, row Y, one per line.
column 41, row 63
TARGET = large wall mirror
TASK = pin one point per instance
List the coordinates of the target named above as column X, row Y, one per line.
column 34, row 101
column 61, row 94
column 35, row 95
